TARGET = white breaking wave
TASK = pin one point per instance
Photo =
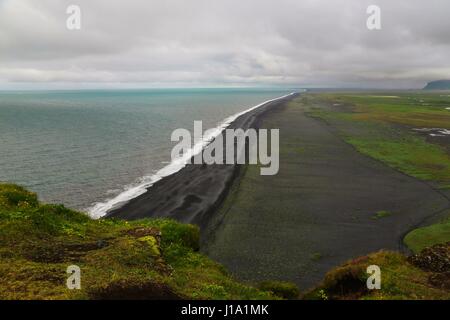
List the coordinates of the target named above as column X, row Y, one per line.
column 132, row 191
column 435, row 132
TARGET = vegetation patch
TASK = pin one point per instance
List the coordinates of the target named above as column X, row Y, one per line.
column 409, row 154
column 381, row 214
column 434, row 259
column 420, row 238
column 316, row 256
column 287, row 290
column 145, row 259
column 380, row 126
column 400, row 279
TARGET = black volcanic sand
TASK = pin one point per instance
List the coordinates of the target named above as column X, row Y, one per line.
column 319, row 211
column 193, row 193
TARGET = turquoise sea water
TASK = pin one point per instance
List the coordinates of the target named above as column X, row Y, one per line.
column 82, row 148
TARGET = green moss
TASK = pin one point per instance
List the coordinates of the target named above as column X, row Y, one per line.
column 410, row 154
column 145, row 259
column 399, row 280
column 12, row 195
column 152, row 244
column 421, row 238
column 381, row 214
column 316, row 256
column 283, row 289
column 186, row 234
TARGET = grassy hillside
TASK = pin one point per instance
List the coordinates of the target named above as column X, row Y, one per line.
column 425, row 276
column 157, row 259
column 146, row 259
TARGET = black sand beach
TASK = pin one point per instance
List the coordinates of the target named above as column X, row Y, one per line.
column 316, row 213
column 193, row 193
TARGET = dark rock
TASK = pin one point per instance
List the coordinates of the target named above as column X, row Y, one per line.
column 440, row 280
column 434, row 259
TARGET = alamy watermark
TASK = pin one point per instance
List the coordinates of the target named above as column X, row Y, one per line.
column 74, row 278
column 240, row 147
column 73, row 21
column 374, row 20
column 374, row 280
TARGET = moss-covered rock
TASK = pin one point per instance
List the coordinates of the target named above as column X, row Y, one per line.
column 399, row 280
column 434, row 259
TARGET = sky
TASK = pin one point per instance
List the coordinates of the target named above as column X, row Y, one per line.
column 223, row 43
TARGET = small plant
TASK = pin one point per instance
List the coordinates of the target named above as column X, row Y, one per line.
column 381, row 214
column 286, row 290
column 322, row 295
column 316, row 256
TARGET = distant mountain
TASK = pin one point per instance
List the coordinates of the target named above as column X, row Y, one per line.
column 438, row 85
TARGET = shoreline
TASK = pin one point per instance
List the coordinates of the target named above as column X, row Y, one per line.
column 134, row 190
column 191, row 193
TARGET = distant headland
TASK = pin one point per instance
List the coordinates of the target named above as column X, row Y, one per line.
column 438, row 85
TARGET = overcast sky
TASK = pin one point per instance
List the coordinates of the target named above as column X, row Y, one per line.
column 203, row 43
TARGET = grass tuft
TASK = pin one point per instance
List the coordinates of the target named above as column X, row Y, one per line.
column 287, row 290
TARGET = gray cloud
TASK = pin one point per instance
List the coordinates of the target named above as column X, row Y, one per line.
column 223, row 42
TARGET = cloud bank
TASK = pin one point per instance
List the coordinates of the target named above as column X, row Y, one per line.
column 172, row 43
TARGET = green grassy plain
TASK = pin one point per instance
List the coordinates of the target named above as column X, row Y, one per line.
column 420, row 238
column 382, row 127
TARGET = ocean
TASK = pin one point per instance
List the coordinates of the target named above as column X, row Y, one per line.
column 93, row 149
